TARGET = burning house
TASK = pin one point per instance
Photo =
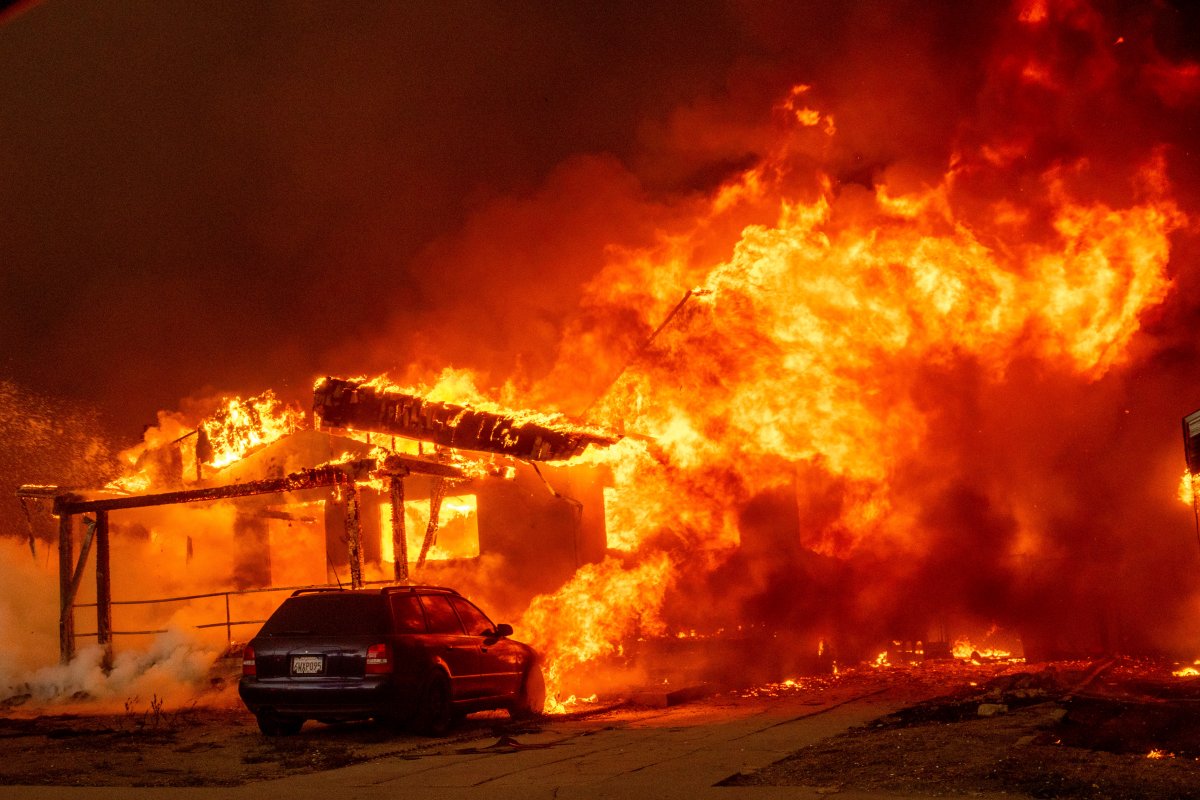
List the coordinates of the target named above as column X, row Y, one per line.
column 383, row 484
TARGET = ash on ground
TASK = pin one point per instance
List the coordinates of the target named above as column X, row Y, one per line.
column 1109, row 730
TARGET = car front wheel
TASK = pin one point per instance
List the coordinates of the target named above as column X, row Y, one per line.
column 532, row 699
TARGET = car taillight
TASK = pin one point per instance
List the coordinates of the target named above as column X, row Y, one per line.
column 248, row 666
column 379, row 659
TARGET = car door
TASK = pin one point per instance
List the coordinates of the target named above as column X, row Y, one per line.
column 450, row 643
column 501, row 663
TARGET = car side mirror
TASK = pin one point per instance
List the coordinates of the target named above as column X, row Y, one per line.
column 504, row 629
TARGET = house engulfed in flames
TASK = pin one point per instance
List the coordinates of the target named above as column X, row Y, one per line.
column 384, row 486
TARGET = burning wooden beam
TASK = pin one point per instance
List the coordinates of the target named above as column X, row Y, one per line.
column 67, row 502
column 354, row 404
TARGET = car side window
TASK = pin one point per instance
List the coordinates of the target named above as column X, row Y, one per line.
column 440, row 613
column 406, row 611
column 477, row 624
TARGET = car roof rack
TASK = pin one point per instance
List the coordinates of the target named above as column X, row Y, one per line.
column 316, row 590
column 383, row 589
column 420, row 588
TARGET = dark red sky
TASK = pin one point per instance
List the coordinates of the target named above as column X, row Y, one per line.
column 229, row 197
column 219, row 196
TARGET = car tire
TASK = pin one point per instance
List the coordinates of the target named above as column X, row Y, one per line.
column 274, row 725
column 532, row 699
column 434, row 708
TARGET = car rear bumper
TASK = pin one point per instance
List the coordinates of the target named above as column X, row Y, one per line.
column 332, row 699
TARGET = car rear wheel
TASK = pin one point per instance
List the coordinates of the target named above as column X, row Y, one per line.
column 532, row 698
column 435, row 712
column 272, row 724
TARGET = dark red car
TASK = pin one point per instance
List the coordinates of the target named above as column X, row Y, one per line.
column 418, row 655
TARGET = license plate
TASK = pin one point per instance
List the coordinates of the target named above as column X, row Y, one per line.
column 308, row 665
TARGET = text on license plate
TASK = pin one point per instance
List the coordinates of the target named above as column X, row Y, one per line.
column 308, row 665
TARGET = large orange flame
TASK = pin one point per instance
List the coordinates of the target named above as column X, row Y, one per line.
column 241, row 425
column 819, row 310
column 810, row 346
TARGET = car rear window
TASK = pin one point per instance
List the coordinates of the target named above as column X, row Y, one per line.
column 407, row 613
column 328, row 614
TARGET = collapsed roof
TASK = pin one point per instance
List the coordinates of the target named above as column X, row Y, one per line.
column 358, row 405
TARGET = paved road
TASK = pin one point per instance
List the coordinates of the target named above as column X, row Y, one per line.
column 679, row 752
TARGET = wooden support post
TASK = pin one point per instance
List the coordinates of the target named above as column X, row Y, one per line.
column 435, row 510
column 353, row 534
column 81, row 563
column 66, row 616
column 103, row 589
column 399, row 536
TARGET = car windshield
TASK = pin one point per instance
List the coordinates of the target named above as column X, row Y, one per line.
column 328, row 614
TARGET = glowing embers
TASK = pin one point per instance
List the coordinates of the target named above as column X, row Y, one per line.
column 965, row 650
column 456, row 535
column 571, row 704
column 793, row 686
column 1191, row 671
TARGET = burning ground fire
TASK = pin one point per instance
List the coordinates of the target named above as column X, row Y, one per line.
column 847, row 404
column 1190, row 671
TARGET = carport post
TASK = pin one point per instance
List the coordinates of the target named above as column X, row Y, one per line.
column 354, row 535
column 103, row 589
column 399, row 536
column 66, row 564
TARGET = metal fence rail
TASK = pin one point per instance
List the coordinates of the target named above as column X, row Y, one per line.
column 229, row 623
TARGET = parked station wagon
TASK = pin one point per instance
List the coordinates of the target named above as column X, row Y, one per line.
column 416, row 655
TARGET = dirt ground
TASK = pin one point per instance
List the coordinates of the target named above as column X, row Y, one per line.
column 1112, row 730
column 198, row 746
column 1066, row 730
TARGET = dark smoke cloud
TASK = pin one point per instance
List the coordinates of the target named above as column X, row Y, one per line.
column 214, row 197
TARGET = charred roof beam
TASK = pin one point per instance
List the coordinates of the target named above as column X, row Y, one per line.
column 353, row 404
